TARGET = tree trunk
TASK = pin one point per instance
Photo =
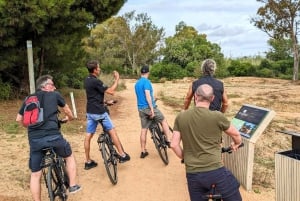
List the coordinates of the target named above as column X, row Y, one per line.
column 296, row 58
column 41, row 65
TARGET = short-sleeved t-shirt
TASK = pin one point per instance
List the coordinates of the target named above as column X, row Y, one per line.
column 218, row 87
column 95, row 90
column 51, row 101
column 140, row 86
column 201, row 133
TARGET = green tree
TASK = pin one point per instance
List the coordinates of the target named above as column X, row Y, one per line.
column 240, row 68
column 279, row 19
column 55, row 28
column 187, row 47
column 130, row 40
column 281, row 49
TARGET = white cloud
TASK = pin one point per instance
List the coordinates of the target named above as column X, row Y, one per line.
column 225, row 22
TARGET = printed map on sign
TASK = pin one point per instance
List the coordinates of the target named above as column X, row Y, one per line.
column 248, row 119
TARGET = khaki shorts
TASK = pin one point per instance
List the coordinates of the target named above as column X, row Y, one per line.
column 144, row 116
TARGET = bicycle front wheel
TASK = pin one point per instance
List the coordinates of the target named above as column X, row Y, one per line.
column 110, row 161
column 160, row 145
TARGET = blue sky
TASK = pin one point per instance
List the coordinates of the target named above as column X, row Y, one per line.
column 225, row 22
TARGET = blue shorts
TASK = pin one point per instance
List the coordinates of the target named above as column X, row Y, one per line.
column 93, row 120
column 199, row 185
column 60, row 145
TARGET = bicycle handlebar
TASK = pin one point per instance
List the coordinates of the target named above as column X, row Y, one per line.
column 62, row 121
column 229, row 149
column 110, row 102
column 223, row 150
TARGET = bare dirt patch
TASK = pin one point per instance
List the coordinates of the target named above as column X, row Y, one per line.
column 149, row 179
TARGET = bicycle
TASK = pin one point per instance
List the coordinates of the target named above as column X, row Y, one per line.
column 108, row 152
column 55, row 175
column 213, row 194
column 159, row 140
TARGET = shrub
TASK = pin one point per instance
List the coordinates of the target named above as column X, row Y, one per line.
column 5, row 91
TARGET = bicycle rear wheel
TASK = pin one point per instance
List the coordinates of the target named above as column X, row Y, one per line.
column 160, row 145
column 64, row 179
column 110, row 160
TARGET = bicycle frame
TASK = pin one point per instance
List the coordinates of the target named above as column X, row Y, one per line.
column 213, row 194
column 109, row 155
column 159, row 140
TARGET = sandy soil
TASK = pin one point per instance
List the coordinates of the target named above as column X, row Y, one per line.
column 144, row 179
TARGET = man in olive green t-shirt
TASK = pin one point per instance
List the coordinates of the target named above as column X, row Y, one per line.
column 200, row 130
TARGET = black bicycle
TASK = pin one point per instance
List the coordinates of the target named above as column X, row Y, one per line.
column 213, row 194
column 159, row 140
column 108, row 151
column 55, row 175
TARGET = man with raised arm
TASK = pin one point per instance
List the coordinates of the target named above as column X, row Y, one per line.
column 95, row 110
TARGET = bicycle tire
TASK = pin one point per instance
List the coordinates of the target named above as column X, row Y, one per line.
column 110, row 160
column 51, row 181
column 160, row 145
column 64, row 179
column 56, row 184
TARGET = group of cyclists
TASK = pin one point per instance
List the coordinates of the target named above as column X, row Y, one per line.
column 199, row 128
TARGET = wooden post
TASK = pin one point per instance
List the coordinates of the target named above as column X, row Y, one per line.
column 30, row 67
column 73, row 105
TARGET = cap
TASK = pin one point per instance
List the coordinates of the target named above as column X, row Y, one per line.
column 145, row 69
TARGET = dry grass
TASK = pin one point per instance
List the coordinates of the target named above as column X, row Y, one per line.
column 278, row 95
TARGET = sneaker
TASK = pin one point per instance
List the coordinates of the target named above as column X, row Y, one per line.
column 90, row 165
column 123, row 159
column 144, row 154
column 74, row 189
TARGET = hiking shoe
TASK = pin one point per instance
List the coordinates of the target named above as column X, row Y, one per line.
column 74, row 189
column 123, row 159
column 144, row 154
column 90, row 165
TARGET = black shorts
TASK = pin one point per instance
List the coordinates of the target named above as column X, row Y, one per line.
column 60, row 145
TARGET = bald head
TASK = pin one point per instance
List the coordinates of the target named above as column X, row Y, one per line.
column 204, row 93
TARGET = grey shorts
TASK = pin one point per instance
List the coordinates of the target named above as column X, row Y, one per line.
column 144, row 116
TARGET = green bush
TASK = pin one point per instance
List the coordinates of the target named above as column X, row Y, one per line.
column 5, row 91
column 265, row 72
column 169, row 71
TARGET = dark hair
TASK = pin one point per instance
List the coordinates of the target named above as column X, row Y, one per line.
column 91, row 65
column 42, row 81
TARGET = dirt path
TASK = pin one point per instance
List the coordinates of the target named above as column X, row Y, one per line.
column 139, row 179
